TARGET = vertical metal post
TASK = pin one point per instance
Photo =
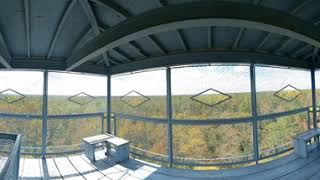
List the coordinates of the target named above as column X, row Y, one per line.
column 254, row 113
column 44, row 113
column 169, row 116
column 114, row 125
column 314, row 98
column 109, row 104
column 102, row 123
column 308, row 119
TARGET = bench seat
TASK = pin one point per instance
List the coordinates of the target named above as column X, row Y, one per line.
column 302, row 140
column 120, row 146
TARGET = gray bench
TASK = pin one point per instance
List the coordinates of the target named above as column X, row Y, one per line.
column 301, row 142
column 119, row 147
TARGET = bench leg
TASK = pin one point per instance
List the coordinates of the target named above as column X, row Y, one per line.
column 89, row 151
column 122, row 153
column 300, row 148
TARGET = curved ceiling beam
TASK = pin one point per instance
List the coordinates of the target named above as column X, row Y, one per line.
column 209, row 57
column 59, row 65
column 206, row 13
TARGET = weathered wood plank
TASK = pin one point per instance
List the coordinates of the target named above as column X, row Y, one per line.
column 84, row 168
column 32, row 169
column 66, row 169
column 52, row 169
column 283, row 170
column 109, row 170
column 79, row 167
column 305, row 171
column 315, row 176
column 21, row 167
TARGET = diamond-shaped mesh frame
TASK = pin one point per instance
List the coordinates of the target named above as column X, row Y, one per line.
column 227, row 97
column 73, row 98
column 288, row 99
column 123, row 99
column 13, row 100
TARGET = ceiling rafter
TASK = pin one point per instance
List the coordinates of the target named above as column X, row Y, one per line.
column 134, row 45
column 264, row 40
column 300, row 6
column 210, row 37
column 283, row 45
column 299, row 50
column 212, row 55
column 156, row 42
column 94, row 25
column 122, row 54
column 62, row 21
column 261, row 18
column 183, row 40
column 238, row 38
column 126, row 14
column 139, row 49
column 110, row 58
column 5, row 55
column 312, row 55
column 27, row 25
column 293, row 12
column 80, row 41
column 114, row 6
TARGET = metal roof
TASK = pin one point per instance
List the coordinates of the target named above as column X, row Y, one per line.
column 115, row 36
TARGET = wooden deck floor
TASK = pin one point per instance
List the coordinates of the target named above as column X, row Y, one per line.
column 79, row 167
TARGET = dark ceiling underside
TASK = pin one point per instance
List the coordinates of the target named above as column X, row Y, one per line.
column 46, row 34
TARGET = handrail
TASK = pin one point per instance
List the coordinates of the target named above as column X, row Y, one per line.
column 231, row 160
column 121, row 116
column 63, row 116
column 11, row 167
column 209, row 121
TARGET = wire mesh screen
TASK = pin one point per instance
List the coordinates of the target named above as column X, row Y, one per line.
column 9, row 156
column 30, row 129
column 213, row 144
column 5, row 150
column 64, row 135
column 317, row 79
column 76, row 93
column 276, row 135
column 280, row 90
column 21, row 92
column 142, row 93
column 146, row 139
column 211, row 92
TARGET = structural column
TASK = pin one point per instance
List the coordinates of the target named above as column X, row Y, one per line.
column 44, row 113
column 314, row 98
column 109, row 104
column 254, row 112
column 169, row 115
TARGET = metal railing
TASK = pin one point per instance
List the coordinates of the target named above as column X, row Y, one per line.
column 164, row 158
column 10, row 154
column 37, row 150
column 229, row 160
